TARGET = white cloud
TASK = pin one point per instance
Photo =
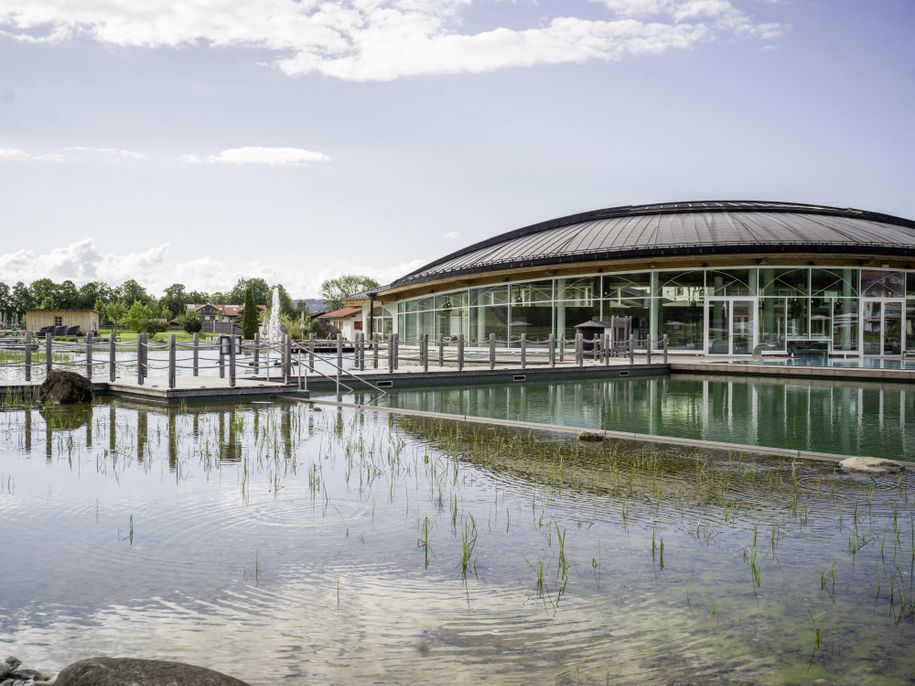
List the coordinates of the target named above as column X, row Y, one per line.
column 110, row 154
column 275, row 157
column 452, row 235
column 72, row 153
column 723, row 14
column 19, row 155
column 378, row 39
column 155, row 268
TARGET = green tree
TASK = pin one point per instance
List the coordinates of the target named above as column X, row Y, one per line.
column 21, row 299
column 191, row 323
column 249, row 316
column 175, row 298
column 130, row 292
column 258, row 287
column 95, row 294
column 115, row 311
column 6, row 299
column 45, row 294
column 335, row 291
column 136, row 316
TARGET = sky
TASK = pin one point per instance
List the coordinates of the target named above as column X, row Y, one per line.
column 202, row 141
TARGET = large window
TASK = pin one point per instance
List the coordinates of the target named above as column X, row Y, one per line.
column 681, row 304
column 876, row 283
column 796, row 303
column 577, row 301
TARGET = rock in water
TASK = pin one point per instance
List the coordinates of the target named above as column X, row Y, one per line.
column 870, row 465
column 125, row 671
column 8, row 666
column 64, row 388
column 590, row 436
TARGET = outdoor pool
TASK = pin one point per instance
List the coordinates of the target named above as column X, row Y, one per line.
column 823, row 416
column 282, row 544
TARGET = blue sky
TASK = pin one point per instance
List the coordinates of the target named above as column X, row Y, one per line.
column 209, row 139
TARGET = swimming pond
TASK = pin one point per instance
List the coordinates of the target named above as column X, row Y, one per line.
column 822, row 416
column 279, row 543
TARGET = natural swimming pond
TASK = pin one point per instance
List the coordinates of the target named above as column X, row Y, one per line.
column 282, row 544
column 822, row 416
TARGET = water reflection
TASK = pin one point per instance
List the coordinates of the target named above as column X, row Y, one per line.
column 333, row 542
column 821, row 416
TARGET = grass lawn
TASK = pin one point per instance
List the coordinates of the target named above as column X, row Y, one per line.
column 131, row 336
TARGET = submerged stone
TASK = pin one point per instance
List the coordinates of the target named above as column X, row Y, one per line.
column 63, row 387
column 870, row 465
column 590, row 436
column 108, row 671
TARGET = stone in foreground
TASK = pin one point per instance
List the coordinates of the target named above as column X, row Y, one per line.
column 8, row 666
column 109, row 671
column 870, row 465
column 65, row 388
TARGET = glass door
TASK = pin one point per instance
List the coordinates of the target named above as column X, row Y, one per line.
column 881, row 326
column 742, row 327
column 730, row 326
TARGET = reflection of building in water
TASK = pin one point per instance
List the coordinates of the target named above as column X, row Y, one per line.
column 715, row 278
column 821, row 416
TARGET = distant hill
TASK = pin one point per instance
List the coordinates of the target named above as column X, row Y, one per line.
column 312, row 305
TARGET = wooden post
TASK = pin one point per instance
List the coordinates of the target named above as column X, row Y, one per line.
column 632, row 348
column 648, row 346
column 232, row 340
column 222, row 357
column 523, row 351
column 390, row 353
column 492, row 351
column 257, row 352
column 287, row 358
column 441, row 351
column 361, row 351
column 339, row 352
column 28, row 355
column 196, row 353
column 664, row 347
column 112, row 358
column 562, row 349
column 48, row 353
column 172, row 361
column 425, row 352
column 551, row 349
column 460, row 352
column 595, row 347
column 140, row 359
column 376, row 341
column 579, row 348
column 88, row 357
column 396, row 351
column 311, row 352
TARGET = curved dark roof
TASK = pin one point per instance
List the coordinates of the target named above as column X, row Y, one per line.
column 682, row 228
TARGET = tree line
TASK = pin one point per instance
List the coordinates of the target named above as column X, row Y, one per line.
column 130, row 304
column 112, row 302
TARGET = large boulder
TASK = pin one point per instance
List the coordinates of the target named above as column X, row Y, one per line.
column 127, row 671
column 65, row 388
column 870, row 465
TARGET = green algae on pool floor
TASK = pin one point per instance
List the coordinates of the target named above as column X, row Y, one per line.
column 275, row 542
column 847, row 418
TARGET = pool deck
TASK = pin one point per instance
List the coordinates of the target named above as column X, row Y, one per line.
column 188, row 388
column 745, row 367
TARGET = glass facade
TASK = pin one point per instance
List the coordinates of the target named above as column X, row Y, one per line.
column 720, row 311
